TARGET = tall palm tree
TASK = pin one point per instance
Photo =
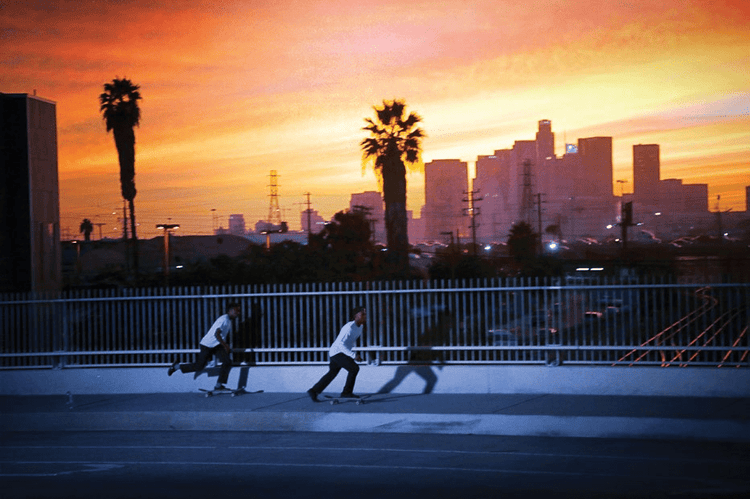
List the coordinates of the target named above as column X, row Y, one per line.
column 394, row 141
column 119, row 108
column 86, row 228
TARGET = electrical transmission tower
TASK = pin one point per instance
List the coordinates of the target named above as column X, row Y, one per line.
column 472, row 211
column 527, row 197
column 274, row 212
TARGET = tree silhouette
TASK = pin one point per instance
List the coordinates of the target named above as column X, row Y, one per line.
column 119, row 108
column 394, row 141
column 86, row 228
column 522, row 241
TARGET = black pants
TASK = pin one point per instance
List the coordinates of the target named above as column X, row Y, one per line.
column 338, row 362
column 204, row 356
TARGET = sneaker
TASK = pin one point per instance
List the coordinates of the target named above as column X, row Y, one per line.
column 221, row 388
column 349, row 396
column 173, row 368
column 313, row 395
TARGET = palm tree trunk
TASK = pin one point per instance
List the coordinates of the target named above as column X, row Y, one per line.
column 134, row 237
column 394, row 194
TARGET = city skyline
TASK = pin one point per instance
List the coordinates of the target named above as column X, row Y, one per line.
column 233, row 92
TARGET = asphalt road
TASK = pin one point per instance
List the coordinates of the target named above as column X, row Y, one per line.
column 374, row 465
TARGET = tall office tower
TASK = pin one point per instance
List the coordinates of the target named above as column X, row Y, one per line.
column 237, row 225
column 595, row 176
column 30, row 251
column 646, row 173
column 491, row 186
column 372, row 203
column 445, row 184
column 545, row 142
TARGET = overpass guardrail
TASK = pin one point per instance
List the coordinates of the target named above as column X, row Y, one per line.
column 485, row 321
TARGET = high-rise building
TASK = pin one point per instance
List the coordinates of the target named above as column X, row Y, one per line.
column 646, row 173
column 595, row 175
column 491, row 186
column 446, row 186
column 30, row 251
column 312, row 219
column 545, row 141
column 237, row 225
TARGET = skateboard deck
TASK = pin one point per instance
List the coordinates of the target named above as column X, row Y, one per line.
column 340, row 400
column 233, row 393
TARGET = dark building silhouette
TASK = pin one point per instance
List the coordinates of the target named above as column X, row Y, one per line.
column 545, row 141
column 646, row 172
column 446, row 184
column 30, row 255
column 530, row 183
column 595, row 174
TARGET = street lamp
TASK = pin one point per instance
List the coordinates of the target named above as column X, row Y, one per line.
column 167, row 228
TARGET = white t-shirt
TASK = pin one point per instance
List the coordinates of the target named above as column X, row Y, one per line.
column 344, row 343
column 224, row 325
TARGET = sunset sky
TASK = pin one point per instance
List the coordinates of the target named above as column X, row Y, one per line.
column 234, row 89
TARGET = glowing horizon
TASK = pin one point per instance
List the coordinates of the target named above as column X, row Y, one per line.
column 233, row 91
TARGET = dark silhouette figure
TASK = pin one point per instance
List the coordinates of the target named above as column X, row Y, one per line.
column 423, row 359
column 248, row 335
column 86, row 229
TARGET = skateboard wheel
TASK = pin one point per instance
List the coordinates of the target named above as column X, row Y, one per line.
column 360, row 402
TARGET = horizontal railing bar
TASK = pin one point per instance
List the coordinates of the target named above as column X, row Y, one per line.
column 489, row 348
column 266, row 294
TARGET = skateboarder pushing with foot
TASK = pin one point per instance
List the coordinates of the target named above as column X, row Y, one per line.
column 342, row 357
column 214, row 343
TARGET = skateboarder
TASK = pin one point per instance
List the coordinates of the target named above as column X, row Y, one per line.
column 342, row 357
column 214, row 343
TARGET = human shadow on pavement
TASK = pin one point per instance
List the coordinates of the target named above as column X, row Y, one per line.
column 422, row 358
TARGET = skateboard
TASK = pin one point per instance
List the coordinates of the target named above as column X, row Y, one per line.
column 234, row 393
column 339, row 400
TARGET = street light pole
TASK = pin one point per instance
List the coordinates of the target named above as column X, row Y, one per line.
column 167, row 228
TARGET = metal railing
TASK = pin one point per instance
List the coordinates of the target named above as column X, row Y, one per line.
column 513, row 321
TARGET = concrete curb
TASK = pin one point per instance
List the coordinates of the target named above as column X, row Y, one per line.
column 452, row 379
column 458, row 424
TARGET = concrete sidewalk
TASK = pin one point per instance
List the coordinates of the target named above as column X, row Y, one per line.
column 554, row 415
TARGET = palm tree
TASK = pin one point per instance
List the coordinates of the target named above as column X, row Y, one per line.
column 86, row 228
column 394, row 141
column 119, row 107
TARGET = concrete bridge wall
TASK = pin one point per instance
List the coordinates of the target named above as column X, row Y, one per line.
column 572, row 380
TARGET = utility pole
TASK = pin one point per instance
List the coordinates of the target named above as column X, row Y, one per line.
column 472, row 211
column 366, row 212
column 167, row 228
column 100, row 224
column 214, row 220
column 626, row 220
